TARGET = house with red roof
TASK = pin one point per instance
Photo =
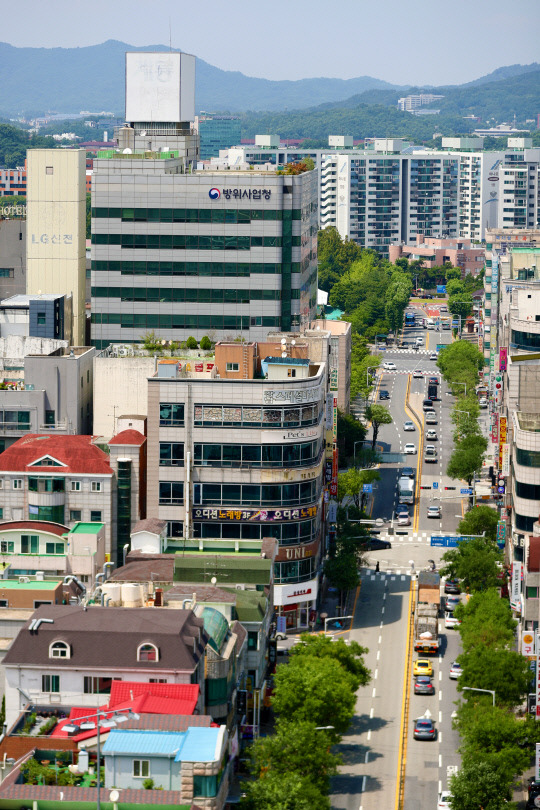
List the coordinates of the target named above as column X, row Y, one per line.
column 70, row 479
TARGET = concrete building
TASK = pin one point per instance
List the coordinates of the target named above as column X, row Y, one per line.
column 41, row 316
column 435, row 252
column 12, row 255
column 519, row 185
column 13, row 182
column 69, row 479
column 411, row 103
column 55, row 250
column 51, row 392
column 267, row 430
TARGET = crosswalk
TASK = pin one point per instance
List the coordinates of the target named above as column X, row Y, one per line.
column 406, row 537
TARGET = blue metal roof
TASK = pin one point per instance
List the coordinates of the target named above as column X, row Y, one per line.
column 135, row 742
column 200, row 745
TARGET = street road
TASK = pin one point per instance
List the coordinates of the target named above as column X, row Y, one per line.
column 368, row 777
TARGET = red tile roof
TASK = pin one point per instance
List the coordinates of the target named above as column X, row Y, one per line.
column 125, row 691
column 77, row 453
column 35, row 525
column 128, row 437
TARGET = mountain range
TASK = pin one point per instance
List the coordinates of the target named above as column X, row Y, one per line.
column 39, row 80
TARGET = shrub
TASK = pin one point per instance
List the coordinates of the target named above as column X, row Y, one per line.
column 191, row 343
column 48, row 726
column 148, row 784
column 205, row 343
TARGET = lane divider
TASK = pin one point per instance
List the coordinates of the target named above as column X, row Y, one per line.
column 404, row 729
column 420, row 426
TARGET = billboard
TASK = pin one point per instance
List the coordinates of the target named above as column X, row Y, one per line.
column 441, row 288
column 515, row 592
column 160, row 87
column 503, row 359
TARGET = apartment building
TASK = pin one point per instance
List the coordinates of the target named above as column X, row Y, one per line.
column 236, row 454
column 519, row 186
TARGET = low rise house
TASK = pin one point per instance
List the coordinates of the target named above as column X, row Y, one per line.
column 66, row 655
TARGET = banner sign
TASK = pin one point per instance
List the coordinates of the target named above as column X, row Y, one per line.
column 537, row 676
column 503, row 359
column 505, row 466
column 501, row 533
column 502, row 438
column 527, row 643
column 515, row 591
column 253, row 515
column 495, row 429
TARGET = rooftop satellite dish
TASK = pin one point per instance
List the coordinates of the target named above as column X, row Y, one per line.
column 283, row 341
column 126, row 151
column 284, row 354
column 114, row 795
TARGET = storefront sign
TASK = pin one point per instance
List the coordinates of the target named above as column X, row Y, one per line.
column 333, row 379
column 13, row 211
column 515, row 592
column 527, row 643
column 505, row 460
column 253, row 515
column 329, row 412
column 334, row 482
column 502, row 438
column 297, row 592
column 537, row 677
column 501, row 533
column 297, row 552
column 503, row 359
column 296, row 395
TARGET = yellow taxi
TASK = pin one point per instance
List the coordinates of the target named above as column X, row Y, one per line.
column 423, row 666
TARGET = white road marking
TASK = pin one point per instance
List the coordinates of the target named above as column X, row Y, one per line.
column 369, row 735
column 440, row 717
column 440, row 694
column 381, row 625
column 440, row 788
column 384, row 595
column 382, row 611
column 440, row 676
column 440, row 740
column 380, row 639
column 371, row 713
column 378, row 654
column 364, row 778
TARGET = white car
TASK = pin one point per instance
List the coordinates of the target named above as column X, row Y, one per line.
column 434, row 512
column 408, row 426
column 418, row 373
column 433, row 355
column 431, row 435
column 455, row 671
column 444, row 800
column 410, row 449
column 482, row 402
column 419, row 341
column 450, row 621
column 389, row 366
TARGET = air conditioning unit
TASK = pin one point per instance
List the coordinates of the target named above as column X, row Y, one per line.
column 240, row 587
column 23, row 579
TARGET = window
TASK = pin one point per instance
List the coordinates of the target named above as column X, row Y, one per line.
column 233, row 367
column 253, row 640
column 96, row 486
column 55, row 548
column 171, row 493
column 147, row 652
column 531, row 592
column 4, row 603
column 171, row 454
column 59, row 649
column 97, row 686
column 17, row 483
column 41, row 319
column 175, row 528
column 49, row 170
column 75, row 515
column 291, row 372
column 50, row 418
column 95, row 516
column 29, row 544
column 158, row 680
column 171, row 414
column 6, row 546
column 75, row 486
column 141, row 768
column 50, row 683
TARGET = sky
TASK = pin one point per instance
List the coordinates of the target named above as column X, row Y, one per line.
column 415, row 42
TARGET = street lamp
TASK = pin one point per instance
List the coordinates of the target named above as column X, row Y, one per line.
column 335, row 619
column 106, row 722
column 476, row 689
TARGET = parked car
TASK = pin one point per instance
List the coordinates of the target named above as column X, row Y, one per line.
column 431, row 435
column 434, row 512
column 418, row 373
column 452, row 586
column 389, row 366
column 384, row 394
column 408, row 426
column 424, row 729
column 444, row 801
column 423, row 666
column 455, row 671
column 423, row 685
column 450, row 621
column 410, row 449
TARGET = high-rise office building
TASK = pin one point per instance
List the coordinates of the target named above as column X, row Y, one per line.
column 182, row 252
column 216, row 132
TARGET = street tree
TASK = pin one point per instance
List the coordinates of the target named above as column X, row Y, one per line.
column 348, row 655
column 479, row 785
column 349, row 431
column 478, row 520
column 486, row 620
column 318, row 690
column 458, row 359
column 505, row 672
column 474, row 562
column 298, row 748
column 342, row 573
column 283, row 791
column 378, row 415
column 467, row 458
column 452, row 273
column 351, row 483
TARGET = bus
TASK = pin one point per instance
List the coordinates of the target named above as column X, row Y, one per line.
column 409, row 320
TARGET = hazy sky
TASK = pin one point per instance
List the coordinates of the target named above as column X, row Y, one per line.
column 415, row 42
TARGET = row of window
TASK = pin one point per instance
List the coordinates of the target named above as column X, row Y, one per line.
column 525, row 340
column 256, row 494
column 530, row 492
column 14, row 420
column 186, row 241
column 295, row 571
column 39, row 484
column 201, row 295
column 299, row 454
column 163, row 268
column 130, row 320
column 30, row 545
column 256, row 416
column 228, row 216
column 527, row 458
column 290, row 533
